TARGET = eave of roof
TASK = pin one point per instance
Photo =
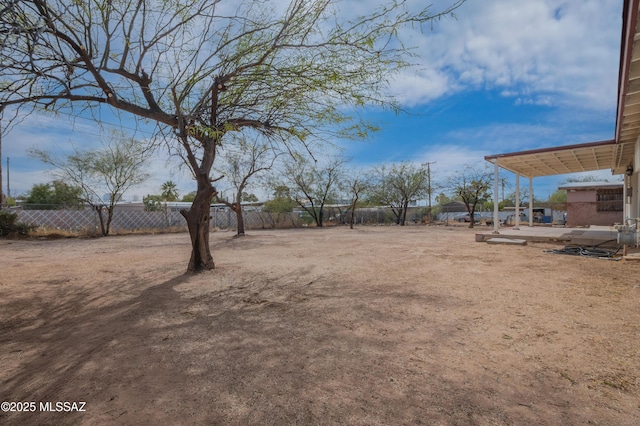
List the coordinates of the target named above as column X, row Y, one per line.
column 558, row 160
column 590, row 185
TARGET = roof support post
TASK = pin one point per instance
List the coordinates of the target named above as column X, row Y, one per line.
column 626, row 213
column 517, row 226
column 633, row 196
column 530, row 201
column 634, row 181
column 496, row 192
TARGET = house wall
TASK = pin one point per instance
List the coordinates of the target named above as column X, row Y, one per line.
column 582, row 210
column 584, row 214
column 582, row 196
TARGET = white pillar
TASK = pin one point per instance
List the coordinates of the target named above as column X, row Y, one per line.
column 633, row 182
column 496, row 192
column 627, row 198
column 634, row 208
column 517, row 201
column 530, row 201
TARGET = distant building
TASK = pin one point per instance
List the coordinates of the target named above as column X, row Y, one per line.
column 594, row 203
column 454, row 207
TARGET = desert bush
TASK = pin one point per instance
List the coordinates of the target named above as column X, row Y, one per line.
column 9, row 225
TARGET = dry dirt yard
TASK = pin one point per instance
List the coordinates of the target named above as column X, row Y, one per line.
column 375, row 326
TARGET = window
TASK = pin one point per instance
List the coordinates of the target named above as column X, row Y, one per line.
column 610, row 200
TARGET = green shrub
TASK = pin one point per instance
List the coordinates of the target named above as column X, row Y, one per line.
column 9, row 225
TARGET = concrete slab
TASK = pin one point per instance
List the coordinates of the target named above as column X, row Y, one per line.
column 508, row 241
column 601, row 235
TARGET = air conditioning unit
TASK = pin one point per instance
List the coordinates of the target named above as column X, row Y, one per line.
column 628, row 234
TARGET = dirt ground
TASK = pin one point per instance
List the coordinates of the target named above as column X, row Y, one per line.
column 375, row 326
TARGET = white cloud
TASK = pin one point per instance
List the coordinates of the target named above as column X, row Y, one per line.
column 567, row 52
column 421, row 86
column 450, row 159
column 496, row 138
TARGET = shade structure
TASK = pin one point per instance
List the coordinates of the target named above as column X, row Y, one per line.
column 566, row 159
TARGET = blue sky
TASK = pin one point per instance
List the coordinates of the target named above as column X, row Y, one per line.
column 504, row 76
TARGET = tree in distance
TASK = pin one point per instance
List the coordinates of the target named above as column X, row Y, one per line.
column 357, row 184
column 242, row 161
column 396, row 186
column 169, row 191
column 281, row 201
column 200, row 69
column 312, row 186
column 154, row 202
column 472, row 186
column 120, row 164
column 54, row 195
column 558, row 197
column 188, row 198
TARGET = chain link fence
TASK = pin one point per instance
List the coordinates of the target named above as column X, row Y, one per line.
column 224, row 218
column 86, row 221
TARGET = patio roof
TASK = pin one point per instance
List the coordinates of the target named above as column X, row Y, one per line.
column 615, row 154
column 561, row 160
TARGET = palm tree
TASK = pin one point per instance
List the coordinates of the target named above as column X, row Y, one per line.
column 169, row 191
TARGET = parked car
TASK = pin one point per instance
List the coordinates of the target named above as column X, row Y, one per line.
column 477, row 217
column 464, row 217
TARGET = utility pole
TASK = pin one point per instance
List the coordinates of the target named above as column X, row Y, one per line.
column 503, row 183
column 8, row 184
column 428, row 164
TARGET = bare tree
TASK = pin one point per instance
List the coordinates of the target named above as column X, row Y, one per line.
column 243, row 160
column 112, row 170
column 523, row 196
column 312, row 186
column 199, row 69
column 356, row 184
column 472, row 185
column 396, row 186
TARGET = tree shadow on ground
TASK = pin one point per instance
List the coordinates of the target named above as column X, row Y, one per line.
column 262, row 353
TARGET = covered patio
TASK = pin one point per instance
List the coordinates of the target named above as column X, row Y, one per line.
column 558, row 160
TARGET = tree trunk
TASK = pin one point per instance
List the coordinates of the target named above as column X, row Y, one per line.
column 103, row 230
column 397, row 212
column 198, row 219
column 403, row 220
column 239, row 219
column 353, row 213
column 472, row 218
column 109, row 219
